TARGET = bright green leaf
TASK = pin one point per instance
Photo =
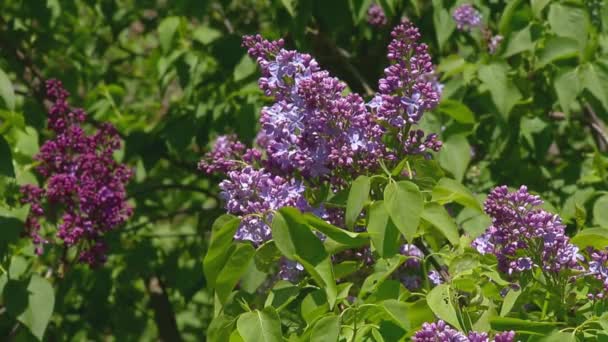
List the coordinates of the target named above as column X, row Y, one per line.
column 436, row 215
column 326, row 329
column 7, row 93
column 504, row 92
column 404, row 204
column 244, row 69
column 600, row 211
column 449, row 190
column 233, row 270
column 557, row 48
column 357, row 197
column 509, row 301
column 222, row 235
column 260, row 326
column 591, row 237
column 383, row 233
column 166, row 32
column 457, row 110
column 441, row 301
column 41, row 301
column 455, row 155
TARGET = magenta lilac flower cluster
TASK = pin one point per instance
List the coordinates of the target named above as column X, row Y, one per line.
column 597, row 268
column 409, row 87
column 466, row 17
column 82, row 182
column 441, row 332
column 522, row 236
column 376, row 16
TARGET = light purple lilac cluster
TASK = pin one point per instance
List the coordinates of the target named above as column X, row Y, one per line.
column 597, row 268
column 494, row 43
column 316, row 132
column 82, row 182
column 523, row 237
column 466, row 17
column 376, row 16
column 441, row 332
column 409, row 87
column 312, row 128
column 254, row 194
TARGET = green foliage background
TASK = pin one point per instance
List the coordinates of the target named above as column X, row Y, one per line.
column 172, row 75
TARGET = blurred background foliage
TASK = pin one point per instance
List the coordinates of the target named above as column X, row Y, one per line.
column 172, row 75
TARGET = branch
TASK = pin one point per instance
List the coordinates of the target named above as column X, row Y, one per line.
column 163, row 311
column 597, row 127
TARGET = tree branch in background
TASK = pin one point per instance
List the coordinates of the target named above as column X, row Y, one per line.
column 598, row 129
column 163, row 311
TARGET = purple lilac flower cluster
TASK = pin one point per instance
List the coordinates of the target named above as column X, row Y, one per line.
column 466, row 17
column 313, row 131
column 376, row 16
column 312, row 128
column 82, row 180
column 597, row 268
column 254, row 194
column 409, row 87
column 523, row 237
column 441, row 332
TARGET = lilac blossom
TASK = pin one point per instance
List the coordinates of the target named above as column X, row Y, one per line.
column 254, row 194
column 290, row 270
column 524, row 237
column 376, row 16
column 466, row 17
column 435, row 277
column 494, row 43
column 225, row 155
column 441, row 332
column 409, row 86
column 312, row 128
column 81, row 180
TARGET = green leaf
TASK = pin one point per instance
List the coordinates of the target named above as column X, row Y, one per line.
column 244, row 69
column 457, row 110
column 443, row 23
column 11, row 229
column 504, row 25
column 282, row 294
column 166, row 32
column 521, row 325
column 222, row 235
column 326, row 329
column 567, row 86
column 520, row 41
column 449, row 190
column 595, row 80
column 206, row 35
column 359, row 9
column 560, row 336
column 404, row 204
column 7, row 93
column 504, row 92
column 337, row 234
column 267, row 256
column 357, row 197
column 297, row 242
column 409, row 316
column 569, row 21
column 233, row 270
column 289, row 6
column 260, row 326
column 455, row 155
column 436, row 215
column 383, row 233
column 41, row 301
column 220, row 328
column 509, row 301
column 591, row 237
column 440, row 300
column 6, row 160
column 557, row 48
column 600, row 211
column 451, row 65
column 538, row 6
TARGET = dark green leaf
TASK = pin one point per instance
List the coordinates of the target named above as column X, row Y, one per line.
column 6, row 160
column 233, row 270
column 222, row 235
column 448, row 190
column 504, row 92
